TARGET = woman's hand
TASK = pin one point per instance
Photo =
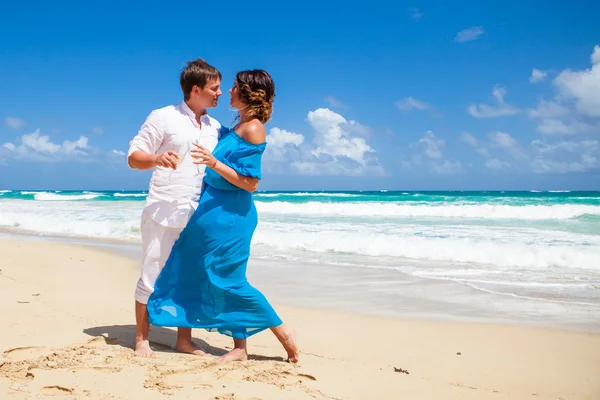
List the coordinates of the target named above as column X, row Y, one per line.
column 202, row 155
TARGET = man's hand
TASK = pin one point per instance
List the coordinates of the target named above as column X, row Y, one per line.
column 168, row 159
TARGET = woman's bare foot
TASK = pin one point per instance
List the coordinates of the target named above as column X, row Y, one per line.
column 142, row 349
column 287, row 338
column 234, row 355
column 188, row 346
column 289, row 344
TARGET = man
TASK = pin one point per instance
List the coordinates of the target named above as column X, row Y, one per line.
column 175, row 185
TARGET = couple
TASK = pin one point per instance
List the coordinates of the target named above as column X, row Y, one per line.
column 199, row 217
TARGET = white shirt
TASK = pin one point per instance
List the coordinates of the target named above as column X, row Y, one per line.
column 173, row 195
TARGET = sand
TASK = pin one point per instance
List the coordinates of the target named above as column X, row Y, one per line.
column 67, row 331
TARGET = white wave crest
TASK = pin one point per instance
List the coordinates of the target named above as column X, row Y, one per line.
column 44, row 196
column 130, row 195
column 403, row 210
column 307, row 194
column 475, row 246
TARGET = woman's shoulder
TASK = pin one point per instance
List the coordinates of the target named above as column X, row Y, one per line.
column 253, row 132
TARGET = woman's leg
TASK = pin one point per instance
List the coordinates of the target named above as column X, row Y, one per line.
column 238, row 353
column 287, row 337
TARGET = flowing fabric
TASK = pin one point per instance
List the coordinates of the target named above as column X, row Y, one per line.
column 203, row 283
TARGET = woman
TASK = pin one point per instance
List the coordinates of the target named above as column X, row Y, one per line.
column 203, row 283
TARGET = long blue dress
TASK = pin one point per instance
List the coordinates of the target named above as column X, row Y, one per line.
column 203, row 283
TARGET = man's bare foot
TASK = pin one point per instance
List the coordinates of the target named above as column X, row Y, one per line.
column 185, row 346
column 142, row 349
column 289, row 344
column 234, row 355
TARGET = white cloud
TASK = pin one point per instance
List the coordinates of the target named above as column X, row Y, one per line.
column 355, row 128
column 283, row 146
column 36, row 147
column 333, row 102
column 503, row 140
column 501, row 109
column 9, row 146
column 537, row 75
column 280, row 137
column 565, row 156
column 496, row 164
column 14, row 122
column 416, row 13
column 470, row 34
column 118, row 153
column 548, row 110
column 561, row 127
column 97, row 130
column 490, row 162
column 336, row 148
column 475, row 144
column 510, row 145
column 429, row 153
column 502, row 151
column 582, row 87
column 554, row 118
column 595, row 58
column 410, row 103
column 575, row 110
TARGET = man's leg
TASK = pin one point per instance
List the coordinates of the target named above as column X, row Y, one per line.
column 142, row 341
column 152, row 234
column 157, row 243
column 185, row 343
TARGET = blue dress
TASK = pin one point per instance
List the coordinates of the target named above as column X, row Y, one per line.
column 203, row 283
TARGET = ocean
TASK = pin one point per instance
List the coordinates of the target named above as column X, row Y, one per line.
column 535, row 254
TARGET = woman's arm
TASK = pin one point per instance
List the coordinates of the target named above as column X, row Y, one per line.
column 252, row 133
column 247, row 183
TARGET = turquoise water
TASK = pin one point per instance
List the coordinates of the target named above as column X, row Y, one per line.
column 540, row 245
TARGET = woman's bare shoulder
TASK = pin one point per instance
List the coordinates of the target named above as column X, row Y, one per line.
column 254, row 132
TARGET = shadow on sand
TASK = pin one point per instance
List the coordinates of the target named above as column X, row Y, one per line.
column 163, row 340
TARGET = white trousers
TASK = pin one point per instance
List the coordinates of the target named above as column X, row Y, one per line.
column 157, row 243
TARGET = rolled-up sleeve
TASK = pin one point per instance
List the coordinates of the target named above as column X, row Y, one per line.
column 150, row 136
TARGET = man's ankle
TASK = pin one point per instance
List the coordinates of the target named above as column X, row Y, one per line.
column 140, row 338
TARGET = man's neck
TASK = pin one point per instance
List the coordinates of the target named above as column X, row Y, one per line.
column 197, row 113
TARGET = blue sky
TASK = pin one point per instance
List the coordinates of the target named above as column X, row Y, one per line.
column 398, row 95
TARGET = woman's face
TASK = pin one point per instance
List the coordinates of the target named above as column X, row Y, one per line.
column 234, row 100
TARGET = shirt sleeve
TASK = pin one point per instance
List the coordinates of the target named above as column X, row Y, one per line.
column 246, row 160
column 149, row 137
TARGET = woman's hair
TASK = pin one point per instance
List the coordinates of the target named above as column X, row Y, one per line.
column 256, row 90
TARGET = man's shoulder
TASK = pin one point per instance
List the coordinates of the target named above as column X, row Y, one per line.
column 160, row 114
column 171, row 108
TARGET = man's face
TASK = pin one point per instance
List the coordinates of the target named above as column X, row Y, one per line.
column 209, row 96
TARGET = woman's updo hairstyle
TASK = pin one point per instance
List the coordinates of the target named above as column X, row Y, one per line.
column 257, row 91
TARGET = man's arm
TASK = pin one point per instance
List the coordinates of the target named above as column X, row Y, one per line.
column 143, row 161
column 144, row 147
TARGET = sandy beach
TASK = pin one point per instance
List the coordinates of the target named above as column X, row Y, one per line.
column 67, row 331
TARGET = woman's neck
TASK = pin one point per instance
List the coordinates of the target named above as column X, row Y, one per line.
column 244, row 116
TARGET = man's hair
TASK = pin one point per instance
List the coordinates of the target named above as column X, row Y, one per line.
column 197, row 72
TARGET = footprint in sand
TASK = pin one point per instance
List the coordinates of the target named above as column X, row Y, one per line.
column 56, row 390
column 184, row 379
column 279, row 378
column 224, row 396
column 97, row 369
column 23, row 353
column 101, row 341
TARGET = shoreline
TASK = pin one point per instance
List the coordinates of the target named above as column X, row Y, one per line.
column 335, row 287
column 69, row 331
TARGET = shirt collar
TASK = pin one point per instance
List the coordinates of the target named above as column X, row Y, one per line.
column 188, row 111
